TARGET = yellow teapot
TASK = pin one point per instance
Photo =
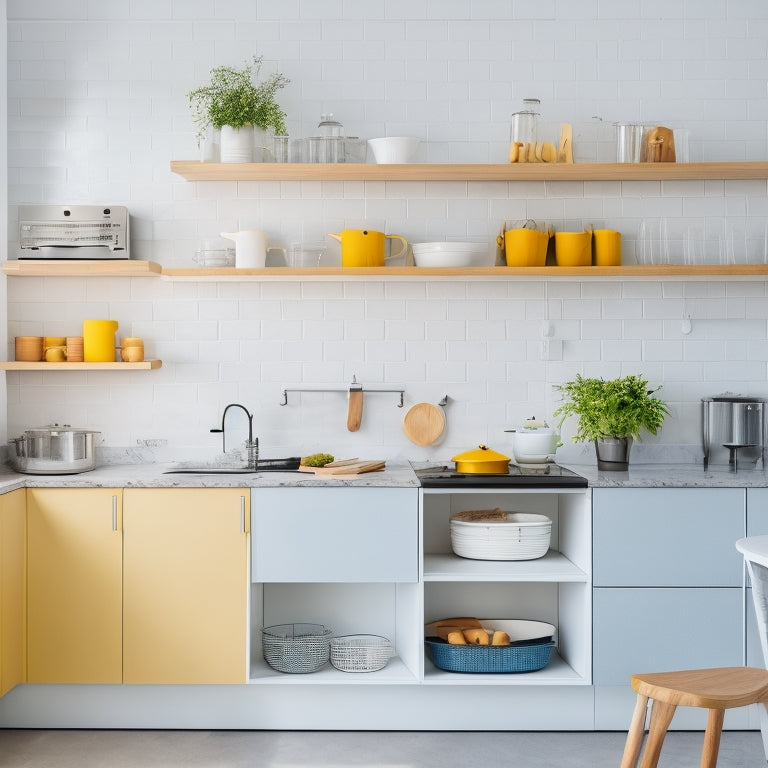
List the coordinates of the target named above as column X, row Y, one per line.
column 366, row 247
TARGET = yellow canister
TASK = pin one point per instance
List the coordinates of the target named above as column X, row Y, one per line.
column 606, row 244
column 526, row 247
column 573, row 249
column 99, row 341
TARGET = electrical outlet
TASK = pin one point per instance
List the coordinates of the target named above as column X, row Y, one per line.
column 158, row 442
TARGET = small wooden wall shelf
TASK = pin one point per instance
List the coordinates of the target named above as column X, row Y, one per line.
column 74, row 268
column 193, row 170
column 15, row 365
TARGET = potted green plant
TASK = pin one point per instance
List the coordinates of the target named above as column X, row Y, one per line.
column 235, row 102
column 611, row 413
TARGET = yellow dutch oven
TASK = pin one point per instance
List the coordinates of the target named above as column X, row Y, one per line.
column 482, row 460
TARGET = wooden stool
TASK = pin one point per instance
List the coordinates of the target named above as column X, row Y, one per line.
column 715, row 689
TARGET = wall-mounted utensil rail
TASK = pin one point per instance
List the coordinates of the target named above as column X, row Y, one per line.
column 343, row 388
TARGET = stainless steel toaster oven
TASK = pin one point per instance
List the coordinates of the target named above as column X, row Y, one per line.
column 74, row 232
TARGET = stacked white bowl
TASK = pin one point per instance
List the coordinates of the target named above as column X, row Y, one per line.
column 452, row 254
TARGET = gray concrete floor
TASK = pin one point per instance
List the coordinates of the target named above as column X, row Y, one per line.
column 330, row 749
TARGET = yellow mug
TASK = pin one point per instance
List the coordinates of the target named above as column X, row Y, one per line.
column 573, row 249
column 607, row 247
column 99, row 341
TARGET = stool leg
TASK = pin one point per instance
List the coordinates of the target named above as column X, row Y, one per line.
column 635, row 733
column 661, row 717
column 712, row 738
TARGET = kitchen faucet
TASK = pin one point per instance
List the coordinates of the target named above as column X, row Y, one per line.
column 252, row 446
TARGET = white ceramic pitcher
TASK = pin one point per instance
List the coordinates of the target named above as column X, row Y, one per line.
column 251, row 248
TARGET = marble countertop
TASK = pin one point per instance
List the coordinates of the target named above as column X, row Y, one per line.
column 672, row 476
column 396, row 475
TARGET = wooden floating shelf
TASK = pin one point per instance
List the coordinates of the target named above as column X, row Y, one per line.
column 94, row 269
column 16, row 365
column 193, row 170
column 75, row 268
column 631, row 270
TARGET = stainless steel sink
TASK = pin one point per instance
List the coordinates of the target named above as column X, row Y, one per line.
column 210, row 471
column 263, row 465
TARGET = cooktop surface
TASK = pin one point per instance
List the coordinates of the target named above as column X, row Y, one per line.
column 531, row 476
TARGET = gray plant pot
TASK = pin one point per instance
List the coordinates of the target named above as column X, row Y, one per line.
column 613, row 453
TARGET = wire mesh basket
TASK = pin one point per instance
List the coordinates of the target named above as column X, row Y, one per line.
column 296, row 648
column 360, row 653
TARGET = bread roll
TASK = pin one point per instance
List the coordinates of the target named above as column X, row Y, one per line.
column 500, row 638
column 477, row 637
column 456, row 638
column 443, row 632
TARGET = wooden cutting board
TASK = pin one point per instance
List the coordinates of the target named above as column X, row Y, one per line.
column 349, row 468
column 424, row 423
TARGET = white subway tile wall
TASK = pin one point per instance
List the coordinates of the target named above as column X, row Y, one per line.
column 97, row 108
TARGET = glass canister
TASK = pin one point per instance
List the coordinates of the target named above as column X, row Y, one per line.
column 332, row 139
column 525, row 123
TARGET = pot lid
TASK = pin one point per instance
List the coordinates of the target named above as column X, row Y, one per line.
column 481, row 453
column 57, row 429
column 533, row 426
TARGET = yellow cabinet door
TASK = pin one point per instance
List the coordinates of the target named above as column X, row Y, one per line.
column 12, row 589
column 74, row 588
column 185, row 598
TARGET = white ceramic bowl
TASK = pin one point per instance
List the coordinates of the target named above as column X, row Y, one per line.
column 452, row 254
column 394, row 149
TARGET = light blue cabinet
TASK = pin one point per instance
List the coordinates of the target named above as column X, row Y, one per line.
column 667, row 537
column 668, row 589
column 660, row 629
column 335, row 534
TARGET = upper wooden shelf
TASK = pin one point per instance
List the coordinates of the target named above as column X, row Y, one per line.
column 196, row 171
column 75, row 268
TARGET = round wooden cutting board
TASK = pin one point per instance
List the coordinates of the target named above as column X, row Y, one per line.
column 424, row 423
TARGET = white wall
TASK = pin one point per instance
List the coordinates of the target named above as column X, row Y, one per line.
column 98, row 108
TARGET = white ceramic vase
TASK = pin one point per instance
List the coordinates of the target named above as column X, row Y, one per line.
column 236, row 144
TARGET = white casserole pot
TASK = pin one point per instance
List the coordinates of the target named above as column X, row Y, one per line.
column 534, row 442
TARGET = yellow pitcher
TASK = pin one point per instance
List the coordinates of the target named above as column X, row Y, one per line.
column 366, row 247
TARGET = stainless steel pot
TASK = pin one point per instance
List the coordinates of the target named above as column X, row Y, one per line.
column 734, row 430
column 53, row 450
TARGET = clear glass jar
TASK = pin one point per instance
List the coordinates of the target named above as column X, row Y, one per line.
column 526, row 122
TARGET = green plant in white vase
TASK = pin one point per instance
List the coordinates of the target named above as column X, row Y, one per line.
column 235, row 102
column 611, row 413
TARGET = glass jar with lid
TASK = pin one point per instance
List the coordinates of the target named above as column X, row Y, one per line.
column 331, row 133
column 525, row 125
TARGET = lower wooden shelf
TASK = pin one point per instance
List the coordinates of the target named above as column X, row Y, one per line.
column 15, row 365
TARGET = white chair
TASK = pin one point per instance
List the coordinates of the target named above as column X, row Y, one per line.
column 755, row 552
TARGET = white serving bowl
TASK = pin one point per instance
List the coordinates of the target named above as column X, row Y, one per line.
column 394, row 149
column 452, row 254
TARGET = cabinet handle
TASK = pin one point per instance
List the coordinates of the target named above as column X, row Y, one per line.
column 114, row 513
column 242, row 514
